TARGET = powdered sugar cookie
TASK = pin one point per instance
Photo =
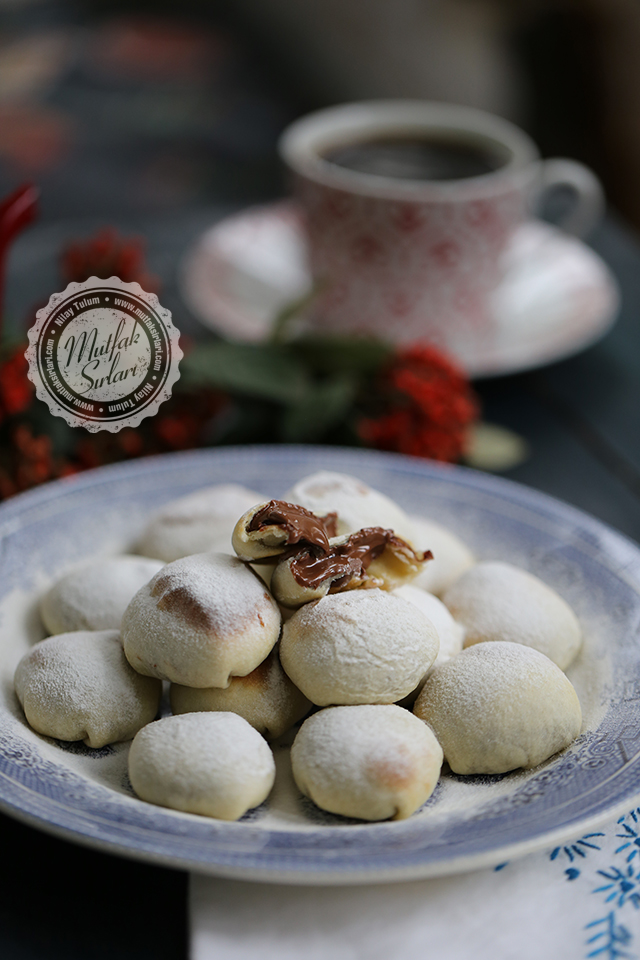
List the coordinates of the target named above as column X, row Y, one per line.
column 95, row 595
column 79, row 686
column 214, row 764
column 356, row 504
column 497, row 601
column 371, row 762
column 200, row 621
column 363, row 646
column 450, row 633
column 266, row 698
column 451, row 557
column 499, row 706
column 199, row 522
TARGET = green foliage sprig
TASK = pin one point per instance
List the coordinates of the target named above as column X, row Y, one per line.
column 294, row 390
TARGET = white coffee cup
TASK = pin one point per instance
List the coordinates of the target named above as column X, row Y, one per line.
column 419, row 258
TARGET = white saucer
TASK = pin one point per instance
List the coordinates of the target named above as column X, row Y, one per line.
column 557, row 296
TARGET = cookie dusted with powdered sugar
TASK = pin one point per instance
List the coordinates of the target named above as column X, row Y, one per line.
column 95, row 595
column 79, row 686
column 499, row 706
column 200, row 621
column 450, row 633
column 370, row 762
column 266, row 698
column 214, row 764
column 363, row 646
column 356, row 504
column 451, row 557
column 497, row 601
column 201, row 521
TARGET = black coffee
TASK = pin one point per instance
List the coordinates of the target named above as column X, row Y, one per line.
column 414, row 158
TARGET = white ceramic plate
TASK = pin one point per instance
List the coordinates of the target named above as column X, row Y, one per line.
column 556, row 298
column 469, row 822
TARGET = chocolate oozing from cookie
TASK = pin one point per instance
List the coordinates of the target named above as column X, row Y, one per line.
column 372, row 557
column 268, row 529
column 299, row 523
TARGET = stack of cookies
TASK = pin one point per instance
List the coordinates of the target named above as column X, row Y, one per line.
column 381, row 629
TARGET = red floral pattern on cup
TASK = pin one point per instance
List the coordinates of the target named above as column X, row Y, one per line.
column 408, row 271
column 407, row 217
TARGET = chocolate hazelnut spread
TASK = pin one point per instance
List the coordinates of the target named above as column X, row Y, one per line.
column 349, row 560
column 300, row 524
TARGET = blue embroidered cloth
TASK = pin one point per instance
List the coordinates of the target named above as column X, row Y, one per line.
column 576, row 902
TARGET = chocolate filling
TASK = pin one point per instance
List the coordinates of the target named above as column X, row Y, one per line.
column 349, row 560
column 300, row 525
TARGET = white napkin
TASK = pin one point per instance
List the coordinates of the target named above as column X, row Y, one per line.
column 577, row 901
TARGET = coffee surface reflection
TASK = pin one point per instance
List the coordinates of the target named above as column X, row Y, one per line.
column 417, row 158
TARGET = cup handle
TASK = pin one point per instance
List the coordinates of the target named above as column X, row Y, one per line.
column 589, row 205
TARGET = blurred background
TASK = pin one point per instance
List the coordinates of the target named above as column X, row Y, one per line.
column 126, row 106
column 155, row 119
column 185, row 100
column 157, row 116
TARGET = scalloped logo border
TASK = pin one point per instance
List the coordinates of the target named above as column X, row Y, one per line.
column 121, row 350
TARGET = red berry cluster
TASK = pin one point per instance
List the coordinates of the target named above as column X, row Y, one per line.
column 180, row 424
column 27, row 459
column 16, row 390
column 108, row 255
column 427, row 406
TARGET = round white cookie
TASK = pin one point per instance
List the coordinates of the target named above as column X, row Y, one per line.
column 79, row 686
column 451, row 557
column 362, row 646
column 497, row 601
column 499, row 706
column 201, row 521
column 356, row 504
column 371, row 762
column 200, row 621
column 266, row 698
column 450, row 633
column 214, row 764
column 95, row 595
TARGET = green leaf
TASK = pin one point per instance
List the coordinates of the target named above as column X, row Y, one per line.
column 322, row 406
column 265, row 371
column 362, row 356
